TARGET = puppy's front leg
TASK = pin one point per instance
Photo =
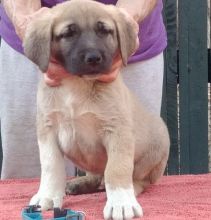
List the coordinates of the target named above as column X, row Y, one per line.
column 121, row 202
column 53, row 177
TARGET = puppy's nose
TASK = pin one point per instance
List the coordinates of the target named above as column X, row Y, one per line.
column 93, row 58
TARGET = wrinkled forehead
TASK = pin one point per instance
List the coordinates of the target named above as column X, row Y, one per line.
column 86, row 16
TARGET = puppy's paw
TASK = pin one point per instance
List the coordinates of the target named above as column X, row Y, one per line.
column 47, row 202
column 83, row 185
column 121, row 204
column 73, row 188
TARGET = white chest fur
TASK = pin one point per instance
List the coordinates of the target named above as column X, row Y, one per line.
column 76, row 126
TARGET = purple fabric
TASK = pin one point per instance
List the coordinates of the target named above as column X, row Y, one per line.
column 152, row 33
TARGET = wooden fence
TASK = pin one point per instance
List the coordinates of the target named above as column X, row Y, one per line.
column 185, row 101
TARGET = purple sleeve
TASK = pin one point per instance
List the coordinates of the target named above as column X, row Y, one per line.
column 7, row 31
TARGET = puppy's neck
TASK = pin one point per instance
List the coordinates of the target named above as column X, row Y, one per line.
column 79, row 84
column 87, row 84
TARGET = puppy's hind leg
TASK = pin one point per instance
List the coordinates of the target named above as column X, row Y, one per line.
column 140, row 185
column 155, row 173
column 84, row 184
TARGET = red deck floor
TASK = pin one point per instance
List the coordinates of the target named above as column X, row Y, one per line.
column 172, row 198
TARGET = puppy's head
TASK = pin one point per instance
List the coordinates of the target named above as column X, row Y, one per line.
column 84, row 36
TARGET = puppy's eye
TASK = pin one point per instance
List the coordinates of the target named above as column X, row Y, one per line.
column 102, row 29
column 71, row 31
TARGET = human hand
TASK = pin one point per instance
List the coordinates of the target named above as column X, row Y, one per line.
column 23, row 21
column 117, row 63
column 21, row 13
column 112, row 74
column 55, row 73
column 139, row 10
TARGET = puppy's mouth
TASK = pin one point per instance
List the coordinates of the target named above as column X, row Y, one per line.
column 89, row 72
column 92, row 75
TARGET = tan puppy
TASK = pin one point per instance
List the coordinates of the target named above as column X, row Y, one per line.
column 101, row 127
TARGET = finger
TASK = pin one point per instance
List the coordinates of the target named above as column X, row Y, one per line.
column 51, row 81
column 56, row 69
column 55, row 74
column 109, row 77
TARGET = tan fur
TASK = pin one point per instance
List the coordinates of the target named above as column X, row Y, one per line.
column 101, row 127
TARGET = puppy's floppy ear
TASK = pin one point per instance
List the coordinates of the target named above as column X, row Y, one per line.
column 37, row 41
column 127, row 33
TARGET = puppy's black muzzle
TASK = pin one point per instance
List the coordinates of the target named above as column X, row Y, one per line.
column 91, row 58
column 88, row 62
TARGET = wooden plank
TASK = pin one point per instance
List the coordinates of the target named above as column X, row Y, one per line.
column 193, row 71
column 169, row 111
column 1, row 152
column 209, row 65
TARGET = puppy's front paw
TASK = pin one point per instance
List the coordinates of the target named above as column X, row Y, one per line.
column 121, row 204
column 47, row 202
